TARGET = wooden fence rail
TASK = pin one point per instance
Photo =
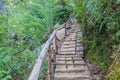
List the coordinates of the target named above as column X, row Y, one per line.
column 38, row 65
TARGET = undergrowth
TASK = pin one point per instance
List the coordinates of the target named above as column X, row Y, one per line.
column 101, row 32
column 22, row 32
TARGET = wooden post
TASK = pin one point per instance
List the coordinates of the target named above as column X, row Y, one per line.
column 56, row 45
column 76, row 43
column 49, row 64
column 65, row 30
column 38, row 65
column 75, row 46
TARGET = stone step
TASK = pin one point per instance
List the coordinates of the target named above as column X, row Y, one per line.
column 80, row 54
column 71, row 68
column 67, row 52
column 68, row 56
column 68, row 59
column 71, row 49
column 73, row 43
column 82, row 64
column 67, row 49
column 72, row 52
column 70, row 63
column 73, row 72
column 63, row 54
column 71, row 37
column 70, row 40
column 69, row 71
column 68, row 46
column 69, row 43
column 72, row 77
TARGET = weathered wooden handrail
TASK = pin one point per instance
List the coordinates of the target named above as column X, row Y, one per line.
column 38, row 65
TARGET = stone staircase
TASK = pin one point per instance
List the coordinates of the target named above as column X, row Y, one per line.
column 70, row 64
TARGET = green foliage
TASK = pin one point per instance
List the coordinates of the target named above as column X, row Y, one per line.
column 100, row 19
column 114, row 69
column 95, row 56
column 31, row 17
column 3, row 74
column 63, row 10
column 44, row 71
column 21, row 32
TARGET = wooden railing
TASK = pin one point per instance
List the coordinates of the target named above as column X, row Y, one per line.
column 46, row 49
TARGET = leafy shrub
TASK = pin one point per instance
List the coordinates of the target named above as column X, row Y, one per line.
column 100, row 20
column 21, row 32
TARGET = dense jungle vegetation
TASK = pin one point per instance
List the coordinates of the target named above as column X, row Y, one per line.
column 100, row 26
column 25, row 23
column 23, row 26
